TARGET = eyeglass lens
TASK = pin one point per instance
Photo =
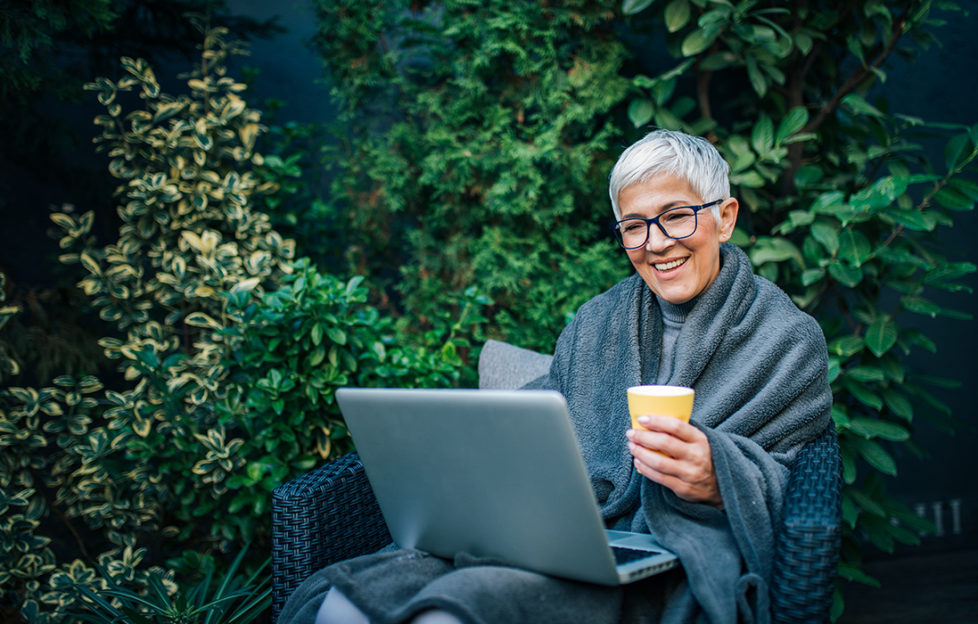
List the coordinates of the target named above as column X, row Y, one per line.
column 678, row 223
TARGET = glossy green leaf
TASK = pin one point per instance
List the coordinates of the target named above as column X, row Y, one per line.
column 881, row 336
column 845, row 275
column 863, row 394
column 919, row 305
column 640, row 112
column 697, row 41
column 631, row 7
column 877, row 457
column 952, row 199
column 858, row 104
column 827, row 234
column 794, row 121
column 846, row 346
column 871, row 428
column 762, row 136
column 677, row 15
column 865, row 373
column 854, row 247
column 958, row 151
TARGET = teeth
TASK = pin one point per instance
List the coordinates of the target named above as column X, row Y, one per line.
column 670, row 265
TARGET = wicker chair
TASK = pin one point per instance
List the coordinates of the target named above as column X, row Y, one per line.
column 330, row 514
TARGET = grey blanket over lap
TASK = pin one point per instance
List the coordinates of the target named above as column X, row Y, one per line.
column 759, row 368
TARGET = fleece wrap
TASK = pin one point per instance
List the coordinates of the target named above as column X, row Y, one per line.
column 759, row 368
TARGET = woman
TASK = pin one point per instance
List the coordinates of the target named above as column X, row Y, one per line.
column 710, row 490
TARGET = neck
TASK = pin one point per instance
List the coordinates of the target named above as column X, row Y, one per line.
column 675, row 312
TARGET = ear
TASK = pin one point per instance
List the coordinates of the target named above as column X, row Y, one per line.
column 728, row 218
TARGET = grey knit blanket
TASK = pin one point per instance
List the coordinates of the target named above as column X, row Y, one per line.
column 759, row 368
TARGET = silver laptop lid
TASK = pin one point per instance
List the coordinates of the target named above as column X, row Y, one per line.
column 492, row 473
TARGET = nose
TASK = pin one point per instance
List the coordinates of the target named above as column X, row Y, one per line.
column 658, row 242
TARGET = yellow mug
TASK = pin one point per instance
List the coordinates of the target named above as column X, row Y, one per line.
column 675, row 401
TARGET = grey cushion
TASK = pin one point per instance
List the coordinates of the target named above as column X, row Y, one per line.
column 505, row 367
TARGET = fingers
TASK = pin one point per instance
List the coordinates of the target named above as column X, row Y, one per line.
column 673, row 426
column 676, row 455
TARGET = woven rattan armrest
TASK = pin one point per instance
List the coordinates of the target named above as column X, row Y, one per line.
column 807, row 544
column 324, row 516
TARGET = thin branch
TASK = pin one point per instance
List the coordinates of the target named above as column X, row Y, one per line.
column 857, row 77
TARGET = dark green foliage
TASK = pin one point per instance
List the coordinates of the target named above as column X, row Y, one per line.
column 481, row 137
column 228, row 352
column 229, row 600
column 290, row 350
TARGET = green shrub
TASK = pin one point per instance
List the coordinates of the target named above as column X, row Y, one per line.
column 290, row 349
column 228, row 353
column 474, row 147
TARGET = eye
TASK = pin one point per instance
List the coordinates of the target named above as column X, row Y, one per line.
column 674, row 216
column 632, row 226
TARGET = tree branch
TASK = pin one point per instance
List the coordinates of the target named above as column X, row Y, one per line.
column 857, row 77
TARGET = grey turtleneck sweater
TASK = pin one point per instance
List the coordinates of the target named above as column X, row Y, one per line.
column 673, row 317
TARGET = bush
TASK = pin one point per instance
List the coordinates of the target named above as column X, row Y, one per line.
column 228, row 353
column 474, row 145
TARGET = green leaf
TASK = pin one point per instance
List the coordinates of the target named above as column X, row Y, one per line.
column 845, row 275
column 812, row 276
column 631, row 7
column 857, row 104
column 90, row 264
column 199, row 319
column 877, row 457
column 866, row 374
column 794, row 121
column 337, row 335
column 863, row 394
column 827, row 235
column 640, row 112
column 966, row 187
column 762, row 136
column 846, row 346
column 953, row 199
column 774, row 249
column 697, row 41
column 316, row 333
column 866, row 502
column 957, row 152
column 854, row 247
column 852, row 573
column 870, row 428
column 828, row 203
column 757, row 80
column 919, row 305
column 881, row 336
column 677, row 15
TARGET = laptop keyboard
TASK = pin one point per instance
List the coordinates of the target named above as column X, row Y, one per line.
column 626, row 555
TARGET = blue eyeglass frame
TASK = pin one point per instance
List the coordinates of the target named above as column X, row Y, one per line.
column 655, row 220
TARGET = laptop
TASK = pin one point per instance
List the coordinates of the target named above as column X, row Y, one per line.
column 491, row 473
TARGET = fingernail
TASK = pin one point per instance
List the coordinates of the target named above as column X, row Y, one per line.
column 643, row 419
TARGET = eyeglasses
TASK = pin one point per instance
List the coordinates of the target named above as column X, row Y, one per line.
column 676, row 223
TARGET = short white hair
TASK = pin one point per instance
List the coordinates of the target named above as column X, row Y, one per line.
column 689, row 158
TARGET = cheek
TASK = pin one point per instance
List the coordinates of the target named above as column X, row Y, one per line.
column 636, row 256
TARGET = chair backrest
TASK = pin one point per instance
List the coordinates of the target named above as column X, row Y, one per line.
column 503, row 366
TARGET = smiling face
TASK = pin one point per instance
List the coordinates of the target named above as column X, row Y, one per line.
column 677, row 270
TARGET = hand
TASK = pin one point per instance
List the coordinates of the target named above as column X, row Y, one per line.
column 677, row 455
